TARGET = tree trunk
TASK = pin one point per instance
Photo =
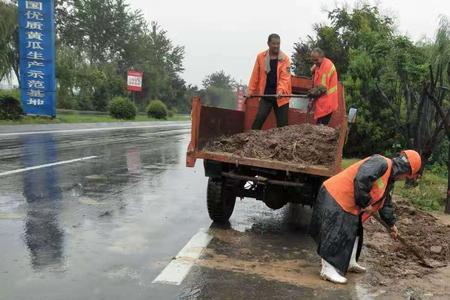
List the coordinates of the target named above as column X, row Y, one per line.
column 447, row 205
column 16, row 72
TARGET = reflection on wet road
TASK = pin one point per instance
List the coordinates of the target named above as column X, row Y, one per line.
column 104, row 228
column 43, row 236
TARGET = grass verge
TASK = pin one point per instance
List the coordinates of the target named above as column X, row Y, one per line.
column 429, row 194
column 79, row 118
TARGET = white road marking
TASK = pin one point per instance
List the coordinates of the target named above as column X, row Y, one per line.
column 46, row 165
column 175, row 272
column 86, row 129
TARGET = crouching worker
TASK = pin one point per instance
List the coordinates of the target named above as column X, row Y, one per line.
column 346, row 200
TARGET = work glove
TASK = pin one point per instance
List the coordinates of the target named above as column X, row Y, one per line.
column 394, row 232
column 369, row 210
column 317, row 91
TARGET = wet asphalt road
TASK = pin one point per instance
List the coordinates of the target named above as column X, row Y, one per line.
column 105, row 223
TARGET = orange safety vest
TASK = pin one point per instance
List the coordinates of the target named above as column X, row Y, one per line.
column 258, row 79
column 326, row 75
column 341, row 188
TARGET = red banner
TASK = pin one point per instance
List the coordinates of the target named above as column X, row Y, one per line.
column 240, row 98
column 134, row 80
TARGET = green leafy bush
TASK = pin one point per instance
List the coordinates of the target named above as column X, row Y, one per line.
column 157, row 109
column 438, row 169
column 172, row 112
column 122, row 108
column 13, row 93
column 10, row 107
column 67, row 101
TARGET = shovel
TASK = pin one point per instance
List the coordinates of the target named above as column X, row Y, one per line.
column 412, row 249
column 278, row 96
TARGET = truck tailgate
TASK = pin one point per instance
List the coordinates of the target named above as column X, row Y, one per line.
column 269, row 164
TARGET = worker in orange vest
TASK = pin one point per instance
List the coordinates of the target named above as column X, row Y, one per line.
column 271, row 76
column 325, row 85
column 346, row 200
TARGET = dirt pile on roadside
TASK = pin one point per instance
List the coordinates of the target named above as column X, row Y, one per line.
column 390, row 259
column 303, row 144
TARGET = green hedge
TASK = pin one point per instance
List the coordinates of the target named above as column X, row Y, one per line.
column 10, row 107
column 157, row 109
column 122, row 108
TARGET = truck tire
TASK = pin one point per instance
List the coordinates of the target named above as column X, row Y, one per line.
column 275, row 197
column 220, row 199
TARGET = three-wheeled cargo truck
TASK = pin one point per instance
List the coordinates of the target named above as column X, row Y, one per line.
column 276, row 183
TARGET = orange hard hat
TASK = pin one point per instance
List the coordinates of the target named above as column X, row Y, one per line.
column 415, row 161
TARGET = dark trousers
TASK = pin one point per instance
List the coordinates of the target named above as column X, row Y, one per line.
column 325, row 120
column 265, row 106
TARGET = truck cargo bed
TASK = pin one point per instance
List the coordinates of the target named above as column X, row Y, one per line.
column 209, row 123
column 231, row 175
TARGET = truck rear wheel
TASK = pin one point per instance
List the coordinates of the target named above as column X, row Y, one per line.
column 220, row 199
column 275, row 197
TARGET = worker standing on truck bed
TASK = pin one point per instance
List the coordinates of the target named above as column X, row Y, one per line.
column 347, row 200
column 271, row 76
column 325, row 85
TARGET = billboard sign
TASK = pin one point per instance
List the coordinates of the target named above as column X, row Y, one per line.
column 134, row 80
column 37, row 57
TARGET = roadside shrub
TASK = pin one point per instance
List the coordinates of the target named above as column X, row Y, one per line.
column 122, row 108
column 157, row 109
column 10, row 107
column 172, row 112
column 84, row 102
column 67, row 102
column 13, row 93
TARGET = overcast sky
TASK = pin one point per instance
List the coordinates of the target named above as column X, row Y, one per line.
column 227, row 34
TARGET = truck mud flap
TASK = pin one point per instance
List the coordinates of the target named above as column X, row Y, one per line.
column 213, row 169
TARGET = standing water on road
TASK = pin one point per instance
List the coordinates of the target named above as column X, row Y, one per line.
column 101, row 214
column 100, row 228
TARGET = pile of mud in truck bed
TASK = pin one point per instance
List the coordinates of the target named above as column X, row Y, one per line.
column 304, row 144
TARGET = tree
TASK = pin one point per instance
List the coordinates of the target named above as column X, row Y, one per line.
column 105, row 40
column 9, row 40
column 162, row 63
column 438, row 88
column 421, row 92
column 219, row 90
column 379, row 70
column 190, row 92
column 103, row 29
column 400, row 88
column 219, row 97
column 220, row 80
column 358, row 28
column 68, row 64
column 84, row 86
column 443, row 110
